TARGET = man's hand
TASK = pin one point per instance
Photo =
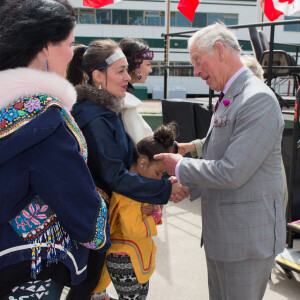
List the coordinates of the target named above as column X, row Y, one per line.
column 170, row 161
column 184, row 148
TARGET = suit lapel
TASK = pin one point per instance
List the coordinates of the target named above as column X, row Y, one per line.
column 234, row 90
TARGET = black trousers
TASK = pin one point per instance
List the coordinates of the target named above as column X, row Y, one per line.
column 83, row 291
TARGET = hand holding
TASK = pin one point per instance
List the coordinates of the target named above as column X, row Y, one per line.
column 180, row 190
column 147, row 209
column 170, row 161
column 184, row 148
column 173, row 179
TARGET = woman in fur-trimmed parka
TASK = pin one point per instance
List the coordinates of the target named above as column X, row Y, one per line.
column 51, row 213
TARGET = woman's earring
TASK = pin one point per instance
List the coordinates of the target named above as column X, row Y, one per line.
column 139, row 73
column 47, row 65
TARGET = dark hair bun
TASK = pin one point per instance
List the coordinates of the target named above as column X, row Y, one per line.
column 166, row 134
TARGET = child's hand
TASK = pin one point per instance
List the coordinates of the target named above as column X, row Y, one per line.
column 180, row 191
column 158, row 207
column 147, row 209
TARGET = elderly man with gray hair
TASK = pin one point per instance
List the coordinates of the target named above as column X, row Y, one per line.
column 239, row 178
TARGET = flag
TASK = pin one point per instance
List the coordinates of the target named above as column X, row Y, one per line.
column 98, row 3
column 273, row 9
column 188, row 8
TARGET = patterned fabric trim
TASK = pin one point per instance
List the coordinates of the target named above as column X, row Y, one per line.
column 20, row 113
column 76, row 132
column 99, row 239
column 144, row 269
column 148, row 228
column 37, row 224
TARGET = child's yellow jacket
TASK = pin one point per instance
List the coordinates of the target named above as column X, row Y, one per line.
column 130, row 232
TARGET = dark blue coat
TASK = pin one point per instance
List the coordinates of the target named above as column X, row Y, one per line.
column 42, row 158
column 110, row 149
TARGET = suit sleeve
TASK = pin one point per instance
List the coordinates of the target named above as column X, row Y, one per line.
column 60, row 176
column 110, row 168
column 133, row 224
column 258, row 127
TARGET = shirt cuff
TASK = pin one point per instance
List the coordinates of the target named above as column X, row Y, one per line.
column 177, row 170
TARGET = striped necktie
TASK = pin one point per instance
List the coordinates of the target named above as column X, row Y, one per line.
column 221, row 95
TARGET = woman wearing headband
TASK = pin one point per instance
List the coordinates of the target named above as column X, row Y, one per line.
column 100, row 75
column 139, row 58
column 51, row 213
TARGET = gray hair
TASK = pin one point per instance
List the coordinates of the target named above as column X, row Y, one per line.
column 207, row 37
column 252, row 63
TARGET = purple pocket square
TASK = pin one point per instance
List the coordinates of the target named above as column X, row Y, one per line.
column 220, row 122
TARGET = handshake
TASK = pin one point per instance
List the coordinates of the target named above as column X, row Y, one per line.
column 170, row 160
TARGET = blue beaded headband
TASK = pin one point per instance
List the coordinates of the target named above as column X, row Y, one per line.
column 144, row 55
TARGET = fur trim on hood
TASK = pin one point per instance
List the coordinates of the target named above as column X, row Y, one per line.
column 98, row 96
column 17, row 84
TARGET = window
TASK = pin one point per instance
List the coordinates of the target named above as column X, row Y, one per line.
column 291, row 27
column 180, row 72
column 154, row 18
column 158, row 69
column 119, row 16
column 136, row 17
column 200, row 20
column 230, row 19
column 227, row 19
column 103, row 16
column 182, row 21
column 85, row 16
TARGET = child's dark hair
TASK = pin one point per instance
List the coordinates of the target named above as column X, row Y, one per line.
column 130, row 46
column 162, row 141
column 26, row 27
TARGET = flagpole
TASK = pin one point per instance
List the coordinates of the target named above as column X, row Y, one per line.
column 167, row 43
column 262, row 13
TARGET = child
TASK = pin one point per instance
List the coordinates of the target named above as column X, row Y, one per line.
column 131, row 259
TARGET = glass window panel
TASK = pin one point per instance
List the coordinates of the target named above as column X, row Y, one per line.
column 119, row 16
column 162, row 18
column 86, row 19
column 213, row 18
column 200, row 20
column 103, row 16
column 135, row 17
column 182, row 21
column 230, row 19
column 154, row 18
column 291, row 27
column 173, row 19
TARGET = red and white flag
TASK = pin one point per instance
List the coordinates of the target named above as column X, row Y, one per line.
column 99, row 3
column 273, row 9
column 188, row 8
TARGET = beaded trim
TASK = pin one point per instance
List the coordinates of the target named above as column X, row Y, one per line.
column 38, row 224
column 20, row 113
column 99, row 239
